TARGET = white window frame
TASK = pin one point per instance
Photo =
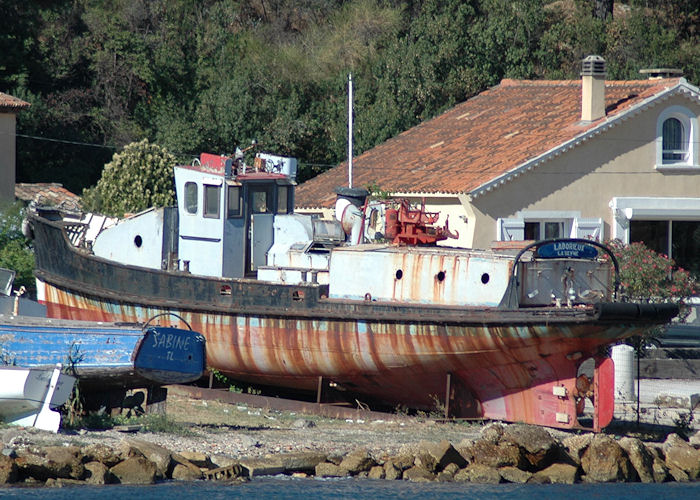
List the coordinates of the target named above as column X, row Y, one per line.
column 689, row 122
column 574, row 226
column 650, row 208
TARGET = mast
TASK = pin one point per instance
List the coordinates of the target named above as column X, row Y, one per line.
column 350, row 130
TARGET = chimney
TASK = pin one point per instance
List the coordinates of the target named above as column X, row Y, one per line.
column 593, row 88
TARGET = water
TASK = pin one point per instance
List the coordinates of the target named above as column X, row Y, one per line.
column 298, row 489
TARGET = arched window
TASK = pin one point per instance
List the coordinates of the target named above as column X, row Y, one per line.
column 677, row 138
column 675, row 146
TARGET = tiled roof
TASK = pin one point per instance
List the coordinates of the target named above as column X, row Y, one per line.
column 480, row 139
column 45, row 193
column 10, row 103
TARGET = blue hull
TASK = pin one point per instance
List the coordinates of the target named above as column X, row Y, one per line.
column 104, row 355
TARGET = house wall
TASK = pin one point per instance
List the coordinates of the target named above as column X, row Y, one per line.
column 618, row 162
column 7, row 157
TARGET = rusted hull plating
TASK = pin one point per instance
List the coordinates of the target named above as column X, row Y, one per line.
column 523, row 373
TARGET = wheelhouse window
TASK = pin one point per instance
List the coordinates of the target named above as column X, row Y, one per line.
column 191, row 197
column 261, row 200
column 282, row 199
column 212, row 196
column 233, row 201
column 674, row 144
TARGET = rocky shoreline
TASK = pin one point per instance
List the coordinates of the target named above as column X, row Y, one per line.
column 267, row 443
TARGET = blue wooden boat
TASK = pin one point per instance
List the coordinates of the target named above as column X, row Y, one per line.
column 104, row 355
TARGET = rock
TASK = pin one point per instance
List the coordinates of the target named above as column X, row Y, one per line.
column 605, row 461
column 201, row 460
column 159, row 455
column 100, row 453
column 576, row 445
column 478, row 473
column 8, row 470
column 327, row 469
column 186, row 470
column 376, row 472
column 183, row 473
column 403, row 462
column 418, row 474
column 681, row 455
column 135, row 470
column 257, row 467
column 694, row 440
column 640, row 457
column 61, row 482
column 514, row 475
column 678, row 475
column 302, row 423
column 357, row 461
column 487, row 453
column 492, row 433
column 558, row 474
column 659, row 469
column 97, row 473
column 51, row 462
column 444, row 454
column 300, row 462
column 391, row 471
column 425, row 460
column 539, row 447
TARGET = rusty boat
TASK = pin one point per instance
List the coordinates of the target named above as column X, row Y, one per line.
column 366, row 303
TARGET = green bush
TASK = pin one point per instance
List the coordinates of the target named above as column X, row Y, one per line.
column 139, row 177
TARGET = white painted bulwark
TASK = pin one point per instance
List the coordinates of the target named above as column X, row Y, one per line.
column 137, row 240
column 421, row 275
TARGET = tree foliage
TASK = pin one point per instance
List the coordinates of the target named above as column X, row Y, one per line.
column 16, row 252
column 139, row 177
column 209, row 75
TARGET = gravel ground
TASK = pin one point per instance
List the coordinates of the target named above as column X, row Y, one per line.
column 234, row 431
column 237, row 431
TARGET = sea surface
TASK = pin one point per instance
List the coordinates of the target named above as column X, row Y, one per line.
column 297, row 489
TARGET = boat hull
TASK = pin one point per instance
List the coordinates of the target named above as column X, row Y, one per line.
column 505, row 364
column 104, row 355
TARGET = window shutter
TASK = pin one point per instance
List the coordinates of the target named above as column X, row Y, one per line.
column 511, row 229
column 588, row 229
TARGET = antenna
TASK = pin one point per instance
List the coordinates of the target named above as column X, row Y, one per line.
column 349, row 129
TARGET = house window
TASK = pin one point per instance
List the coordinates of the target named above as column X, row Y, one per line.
column 212, row 195
column 543, row 230
column 191, row 197
column 544, row 224
column 675, row 147
column 679, row 239
column 677, row 138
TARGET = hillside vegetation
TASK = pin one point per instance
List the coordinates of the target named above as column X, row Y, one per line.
column 209, row 75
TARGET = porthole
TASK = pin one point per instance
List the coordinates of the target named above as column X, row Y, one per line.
column 440, row 276
column 399, row 274
column 138, row 241
column 485, row 278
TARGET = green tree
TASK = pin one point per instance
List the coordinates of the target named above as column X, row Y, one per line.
column 139, row 177
column 16, row 252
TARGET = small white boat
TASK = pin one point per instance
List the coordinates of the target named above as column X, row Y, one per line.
column 29, row 395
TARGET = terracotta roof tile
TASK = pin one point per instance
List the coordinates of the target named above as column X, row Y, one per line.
column 44, row 193
column 11, row 103
column 479, row 139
